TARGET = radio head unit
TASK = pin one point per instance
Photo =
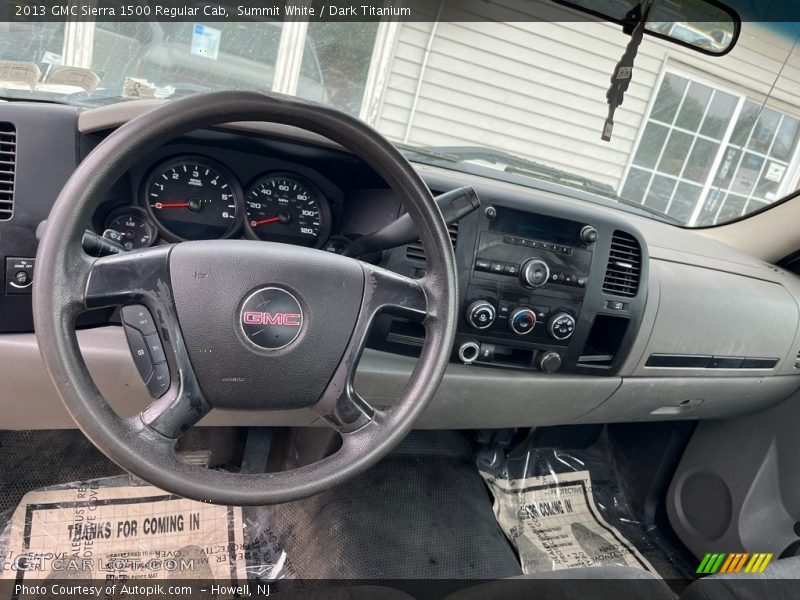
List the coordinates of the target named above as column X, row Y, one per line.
column 534, row 252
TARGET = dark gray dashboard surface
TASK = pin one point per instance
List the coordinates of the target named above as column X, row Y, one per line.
column 702, row 298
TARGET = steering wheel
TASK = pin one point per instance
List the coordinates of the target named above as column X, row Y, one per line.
column 243, row 324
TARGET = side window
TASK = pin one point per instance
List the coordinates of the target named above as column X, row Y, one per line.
column 708, row 155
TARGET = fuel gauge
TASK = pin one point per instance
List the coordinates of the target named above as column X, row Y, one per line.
column 133, row 227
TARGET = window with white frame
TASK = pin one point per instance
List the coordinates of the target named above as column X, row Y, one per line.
column 708, row 155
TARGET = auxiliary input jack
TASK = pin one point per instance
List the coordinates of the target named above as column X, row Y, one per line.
column 468, row 352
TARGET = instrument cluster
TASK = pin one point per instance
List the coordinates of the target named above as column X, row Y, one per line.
column 193, row 197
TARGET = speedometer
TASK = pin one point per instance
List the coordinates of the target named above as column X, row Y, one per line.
column 287, row 208
column 193, row 198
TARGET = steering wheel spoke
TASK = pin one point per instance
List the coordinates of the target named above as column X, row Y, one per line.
column 384, row 291
column 141, row 279
column 130, row 278
column 174, row 414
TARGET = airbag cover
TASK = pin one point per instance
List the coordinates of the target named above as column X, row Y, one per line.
column 212, row 281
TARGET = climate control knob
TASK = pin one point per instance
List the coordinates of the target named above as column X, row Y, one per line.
column 522, row 320
column 561, row 326
column 534, row 273
column 481, row 314
column 549, row 362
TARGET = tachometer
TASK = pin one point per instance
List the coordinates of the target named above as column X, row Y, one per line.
column 287, row 208
column 193, row 198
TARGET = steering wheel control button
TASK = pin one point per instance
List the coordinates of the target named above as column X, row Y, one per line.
column 534, row 273
column 19, row 275
column 139, row 318
column 481, row 314
column 141, row 356
column 561, row 326
column 522, row 320
column 155, row 348
column 271, row 318
column 158, row 383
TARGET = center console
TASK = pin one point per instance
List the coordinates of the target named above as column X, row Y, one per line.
column 550, row 289
column 525, row 290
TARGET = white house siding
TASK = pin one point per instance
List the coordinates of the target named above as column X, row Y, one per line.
column 537, row 89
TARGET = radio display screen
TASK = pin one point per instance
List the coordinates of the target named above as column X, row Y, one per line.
column 536, row 227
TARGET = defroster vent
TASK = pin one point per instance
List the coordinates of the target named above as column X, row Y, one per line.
column 8, row 163
column 624, row 265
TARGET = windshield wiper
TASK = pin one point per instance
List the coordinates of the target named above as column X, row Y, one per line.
column 517, row 165
column 512, row 163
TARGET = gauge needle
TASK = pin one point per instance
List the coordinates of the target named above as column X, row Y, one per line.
column 160, row 205
column 264, row 221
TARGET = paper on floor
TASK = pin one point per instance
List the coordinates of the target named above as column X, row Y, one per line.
column 554, row 523
column 89, row 531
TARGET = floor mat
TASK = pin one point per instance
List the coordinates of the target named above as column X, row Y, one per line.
column 31, row 460
column 421, row 513
column 411, row 516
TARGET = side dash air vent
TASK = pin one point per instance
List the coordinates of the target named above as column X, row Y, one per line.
column 415, row 251
column 624, row 266
column 8, row 163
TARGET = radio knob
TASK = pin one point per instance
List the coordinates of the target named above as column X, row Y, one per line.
column 522, row 320
column 550, row 362
column 561, row 326
column 534, row 273
column 481, row 314
column 589, row 235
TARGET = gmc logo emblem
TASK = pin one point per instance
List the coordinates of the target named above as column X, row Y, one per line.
column 267, row 318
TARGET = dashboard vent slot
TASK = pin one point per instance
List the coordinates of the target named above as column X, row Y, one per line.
column 8, row 163
column 415, row 251
column 624, row 265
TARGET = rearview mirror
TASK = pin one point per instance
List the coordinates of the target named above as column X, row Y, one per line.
column 704, row 25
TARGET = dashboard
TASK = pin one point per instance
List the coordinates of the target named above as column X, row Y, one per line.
column 571, row 311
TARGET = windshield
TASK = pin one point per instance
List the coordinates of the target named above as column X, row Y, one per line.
column 699, row 140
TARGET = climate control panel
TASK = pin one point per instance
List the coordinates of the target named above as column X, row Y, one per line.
column 519, row 321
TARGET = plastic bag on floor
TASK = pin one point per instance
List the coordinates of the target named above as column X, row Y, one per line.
column 117, row 528
column 566, row 509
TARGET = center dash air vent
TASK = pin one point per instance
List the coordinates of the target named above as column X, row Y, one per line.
column 8, row 162
column 415, row 251
column 624, row 265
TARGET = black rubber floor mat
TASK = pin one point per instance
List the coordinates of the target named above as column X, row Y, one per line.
column 31, row 460
column 408, row 517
